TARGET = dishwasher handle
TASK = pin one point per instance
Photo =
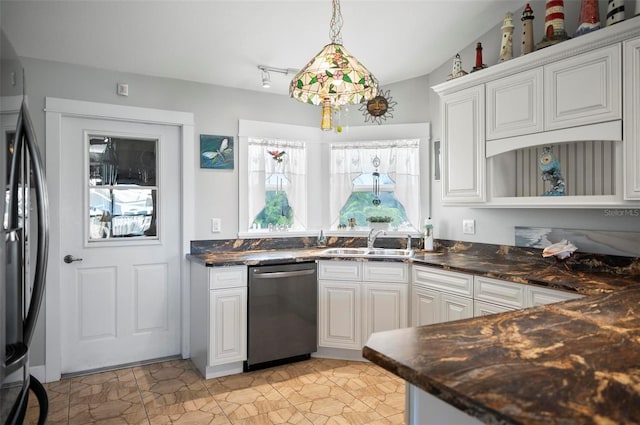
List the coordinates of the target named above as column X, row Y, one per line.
column 276, row 275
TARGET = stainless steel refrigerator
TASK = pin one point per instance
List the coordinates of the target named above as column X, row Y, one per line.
column 23, row 248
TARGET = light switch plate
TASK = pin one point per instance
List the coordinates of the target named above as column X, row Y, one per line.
column 216, row 225
column 469, row 226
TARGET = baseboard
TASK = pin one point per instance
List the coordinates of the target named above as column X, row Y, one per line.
column 38, row 372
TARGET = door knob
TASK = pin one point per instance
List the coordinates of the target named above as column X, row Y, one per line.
column 70, row 259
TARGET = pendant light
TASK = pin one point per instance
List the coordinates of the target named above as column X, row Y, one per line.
column 333, row 77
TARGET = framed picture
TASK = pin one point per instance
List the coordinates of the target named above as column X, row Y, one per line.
column 216, row 152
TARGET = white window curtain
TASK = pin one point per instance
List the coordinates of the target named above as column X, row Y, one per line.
column 399, row 159
column 261, row 165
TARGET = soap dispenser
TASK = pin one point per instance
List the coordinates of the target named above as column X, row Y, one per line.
column 428, row 235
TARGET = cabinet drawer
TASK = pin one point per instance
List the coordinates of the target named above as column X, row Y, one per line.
column 499, row 291
column 537, row 295
column 227, row 277
column 480, row 308
column 385, row 272
column 444, row 280
column 340, row 270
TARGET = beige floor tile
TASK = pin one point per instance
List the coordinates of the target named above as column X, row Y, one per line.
column 333, row 411
column 126, row 410
column 248, row 402
column 316, row 391
column 200, row 411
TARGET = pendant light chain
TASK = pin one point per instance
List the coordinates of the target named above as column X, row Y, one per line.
column 336, row 24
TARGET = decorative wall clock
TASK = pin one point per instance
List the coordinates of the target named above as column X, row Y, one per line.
column 379, row 108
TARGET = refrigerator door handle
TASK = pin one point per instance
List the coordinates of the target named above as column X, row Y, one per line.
column 26, row 132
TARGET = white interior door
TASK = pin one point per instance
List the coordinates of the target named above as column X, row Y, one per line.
column 120, row 298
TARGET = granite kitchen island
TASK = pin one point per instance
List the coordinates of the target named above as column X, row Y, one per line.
column 576, row 362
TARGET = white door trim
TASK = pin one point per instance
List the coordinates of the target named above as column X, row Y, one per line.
column 55, row 110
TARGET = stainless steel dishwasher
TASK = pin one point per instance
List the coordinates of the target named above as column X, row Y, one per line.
column 283, row 314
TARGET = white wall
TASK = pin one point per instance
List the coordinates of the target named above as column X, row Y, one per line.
column 496, row 225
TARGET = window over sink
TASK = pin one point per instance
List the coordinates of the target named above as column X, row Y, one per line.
column 287, row 179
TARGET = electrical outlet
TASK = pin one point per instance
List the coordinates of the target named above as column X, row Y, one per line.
column 216, row 225
column 469, row 226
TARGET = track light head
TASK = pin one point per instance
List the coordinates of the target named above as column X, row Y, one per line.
column 266, row 79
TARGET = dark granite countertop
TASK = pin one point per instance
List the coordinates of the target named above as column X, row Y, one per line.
column 515, row 265
column 576, row 362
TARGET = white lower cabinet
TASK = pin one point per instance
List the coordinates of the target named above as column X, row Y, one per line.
column 440, row 296
column 340, row 319
column 386, row 307
column 227, row 325
column 218, row 328
column 359, row 298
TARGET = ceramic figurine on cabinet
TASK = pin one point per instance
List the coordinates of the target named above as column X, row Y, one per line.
column 550, row 167
column 589, row 17
column 553, row 24
column 615, row 11
column 457, row 68
column 506, row 46
column 479, row 64
column 527, row 30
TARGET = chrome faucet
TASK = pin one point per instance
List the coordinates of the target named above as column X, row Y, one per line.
column 371, row 239
column 408, row 241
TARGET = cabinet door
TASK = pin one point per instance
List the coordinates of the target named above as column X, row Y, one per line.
column 632, row 119
column 453, row 307
column 514, row 105
column 385, row 307
column 339, row 315
column 463, row 146
column 539, row 296
column 425, row 306
column 583, row 89
column 228, row 325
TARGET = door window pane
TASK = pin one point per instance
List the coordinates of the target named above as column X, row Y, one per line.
column 122, row 188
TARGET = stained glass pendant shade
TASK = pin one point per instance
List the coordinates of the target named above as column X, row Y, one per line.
column 333, row 77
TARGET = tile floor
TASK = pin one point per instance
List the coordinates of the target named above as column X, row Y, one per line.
column 316, row 391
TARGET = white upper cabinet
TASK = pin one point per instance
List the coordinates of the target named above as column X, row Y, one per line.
column 514, row 105
column 583, row 89
column 563, row 102
column 632, row 119
column 463, row 144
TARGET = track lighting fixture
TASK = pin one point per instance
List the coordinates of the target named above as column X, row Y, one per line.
column 266, row 79
column 266, row 76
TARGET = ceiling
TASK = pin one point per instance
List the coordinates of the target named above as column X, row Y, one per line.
column 223, row 42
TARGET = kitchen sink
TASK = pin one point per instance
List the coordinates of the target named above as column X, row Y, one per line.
column 384, row 252
column 345, row 252
column 368, row 252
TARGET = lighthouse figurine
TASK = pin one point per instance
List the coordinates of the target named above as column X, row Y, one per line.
column 527, row 30
column 553, row 24
column 479, row 64
column 457, row 68
column 615, row 11
column 589, row 17
column 506, row 46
